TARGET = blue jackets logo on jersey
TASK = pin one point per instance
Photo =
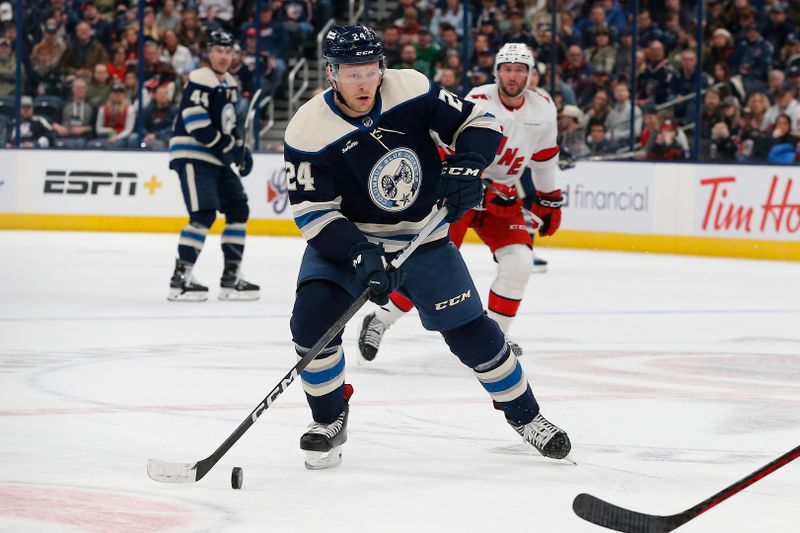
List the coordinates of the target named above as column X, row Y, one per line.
column 394, row 181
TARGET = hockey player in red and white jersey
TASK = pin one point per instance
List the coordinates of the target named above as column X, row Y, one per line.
column 528, row 118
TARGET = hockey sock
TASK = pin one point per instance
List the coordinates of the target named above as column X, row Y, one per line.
column 502, row 310
column 513, row 272
column 323, row 382
column 398, row 306
column 191, row 241
column 233, row 241
column 481, row 345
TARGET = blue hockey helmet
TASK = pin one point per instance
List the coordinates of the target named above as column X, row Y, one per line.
column 219, row 38
column 352, row 45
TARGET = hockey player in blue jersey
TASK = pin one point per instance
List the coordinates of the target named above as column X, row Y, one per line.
column 209, row 158
column 364, row 176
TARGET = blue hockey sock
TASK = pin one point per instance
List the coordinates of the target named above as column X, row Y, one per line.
column 233, row 241
column 191, row 241
column 505, row 381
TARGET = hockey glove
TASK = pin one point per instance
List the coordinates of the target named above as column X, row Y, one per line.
column 565, row 161
column 547, row 206
column 370, row 263
column 245, row 161
column 501, row 200
column 460, row 186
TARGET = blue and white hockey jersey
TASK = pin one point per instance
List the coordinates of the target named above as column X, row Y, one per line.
column 207, row 111
column 375, row 177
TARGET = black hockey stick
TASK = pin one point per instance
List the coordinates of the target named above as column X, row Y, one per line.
column 608, row 515
column 166, row 472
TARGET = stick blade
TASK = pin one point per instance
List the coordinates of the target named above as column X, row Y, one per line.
column 608, row 515
column 165, row 472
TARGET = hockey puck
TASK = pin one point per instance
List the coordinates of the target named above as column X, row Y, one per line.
column 237, row 477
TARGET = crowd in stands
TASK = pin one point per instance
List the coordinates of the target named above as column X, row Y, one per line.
column 81, row 55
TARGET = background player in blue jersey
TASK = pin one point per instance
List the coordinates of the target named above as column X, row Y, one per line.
column 209, row 158
column 364, row 176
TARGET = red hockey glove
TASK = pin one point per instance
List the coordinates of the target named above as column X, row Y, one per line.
column 501, row 200
column 547, row 206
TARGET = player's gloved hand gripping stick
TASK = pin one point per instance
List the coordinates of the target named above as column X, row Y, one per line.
column 166, row 472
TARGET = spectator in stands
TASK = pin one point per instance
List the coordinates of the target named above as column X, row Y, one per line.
column 152, row 30
column 775, row 78
column 131, row 41
column 683, row 84
column 793, row 74
column 789, row 55
column 123, row 18
column 784, row 141
column 168, row 18
column 598, row 110
column 731, row 86
column 453, row 62
column 429, row 52
column 408, row 24
column 758, row 103
column 119, row 62
column 274, row 42
column 217, row 14
column 622, row 55
column 115, row 120
column 731, row 114
column 571, row 136
column 489, row 12
column 51, row 40
column 45, row 77
column 545, row 38
column 648, row 30
column 710, row 114
column 720, row 49
column 596, row 141
column 665, row 146
column 568, row 34
column 34, row 131
column 481, row 44
column 296, row 18
column 618, row 120
column 158, row 72
column 736, row 15
column 8, row 68
column 400, row 13
column 517, row 32
column 752, row 59
column 99, row 86
column 602, row 55
column 191, row 34
column 76, row 126
column 486, row 64
column 598, row 81
column 244, row 76
column 785, row 104
column 452, row 12
column 391, row 45
column 477, row 77
column 132, row 88
column 83, row 53
column 575, row 70
column 723, row 147
column 448, row 80
column 448, row 38
column 650, row 126
column 778, row 27
column 175, row 54
column 101, row 28
column 654, row 82
column 408, row 59
column 157, row 121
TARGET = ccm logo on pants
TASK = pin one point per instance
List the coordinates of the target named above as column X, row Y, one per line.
column 453, row 301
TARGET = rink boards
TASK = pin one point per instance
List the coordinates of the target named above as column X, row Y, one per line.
column 722, row 210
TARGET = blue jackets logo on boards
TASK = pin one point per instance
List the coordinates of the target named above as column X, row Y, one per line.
column 394, row 181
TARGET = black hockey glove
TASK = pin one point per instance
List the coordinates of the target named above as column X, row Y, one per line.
column 370, row 263
column 460, row 185
column 245, row 161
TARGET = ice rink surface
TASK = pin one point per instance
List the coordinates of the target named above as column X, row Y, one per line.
column 674, row 377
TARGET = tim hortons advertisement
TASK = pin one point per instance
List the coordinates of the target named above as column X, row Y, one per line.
column 748, row 202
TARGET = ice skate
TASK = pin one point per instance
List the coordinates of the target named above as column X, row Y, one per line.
column 516, row 349
column 323, row 442
column 183, row 287
column 233, row 287
column 369, row 338
column 550, row 440
column 539, row 265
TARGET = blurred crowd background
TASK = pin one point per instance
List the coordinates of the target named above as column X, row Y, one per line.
column 630, row 79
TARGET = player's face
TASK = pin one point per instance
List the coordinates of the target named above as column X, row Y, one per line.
column 512, row 78
column 358, row 85
column 220, row 58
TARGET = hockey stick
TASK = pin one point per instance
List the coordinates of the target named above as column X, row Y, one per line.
column 166, row 472
column 608, row 515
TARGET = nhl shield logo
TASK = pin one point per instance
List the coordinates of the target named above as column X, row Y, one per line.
column 395, row 180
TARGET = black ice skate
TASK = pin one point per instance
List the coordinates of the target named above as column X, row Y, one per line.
column 183, row 287
column 369, row 338
column 550, row 440
column 323, row 442
column 233, row 287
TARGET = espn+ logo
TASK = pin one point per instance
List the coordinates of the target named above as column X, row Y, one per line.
column 91, row 183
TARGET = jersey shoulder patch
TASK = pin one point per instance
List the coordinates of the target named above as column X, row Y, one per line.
column 315, row 126
column 205, row 77
column 400, row 86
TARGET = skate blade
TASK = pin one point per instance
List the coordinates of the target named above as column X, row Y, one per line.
column 323, row 460
column 539, row 269
column 177, row 295
column 570, row 460
column 231, row 295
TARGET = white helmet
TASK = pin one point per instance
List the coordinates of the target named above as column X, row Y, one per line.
column 515, row 53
